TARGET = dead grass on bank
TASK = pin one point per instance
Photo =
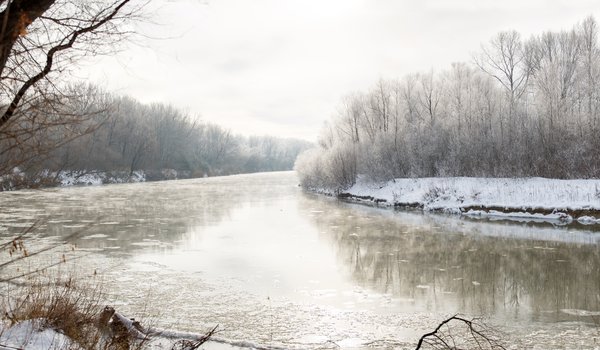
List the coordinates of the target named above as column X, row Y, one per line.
column 34, row 289
column 75, row 310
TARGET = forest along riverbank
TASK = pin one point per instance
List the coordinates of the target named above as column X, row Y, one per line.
column 521, row 199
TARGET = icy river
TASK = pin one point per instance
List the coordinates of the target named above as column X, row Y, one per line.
column 276, row 267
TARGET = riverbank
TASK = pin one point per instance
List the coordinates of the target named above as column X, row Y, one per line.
column 65, row 178
column 521, row 199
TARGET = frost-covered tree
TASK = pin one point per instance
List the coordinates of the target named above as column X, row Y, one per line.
column 522, row 108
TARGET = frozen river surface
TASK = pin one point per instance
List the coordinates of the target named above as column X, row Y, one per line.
column 276, row 267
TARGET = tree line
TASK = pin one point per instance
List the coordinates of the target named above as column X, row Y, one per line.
column 522, row 107
column 117, row 133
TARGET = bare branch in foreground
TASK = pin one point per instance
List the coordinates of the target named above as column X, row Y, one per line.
column 460, row 333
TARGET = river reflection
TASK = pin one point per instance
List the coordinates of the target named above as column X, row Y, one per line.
column 275, row 266
column 445, row 264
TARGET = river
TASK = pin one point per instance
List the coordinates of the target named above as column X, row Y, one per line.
column 274, row 266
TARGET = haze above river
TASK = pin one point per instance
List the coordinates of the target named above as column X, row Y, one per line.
column 275, row 266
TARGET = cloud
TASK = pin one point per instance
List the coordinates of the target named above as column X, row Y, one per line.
column 282, row 66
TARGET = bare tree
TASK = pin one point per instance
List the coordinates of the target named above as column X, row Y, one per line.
column 588, row 33
column 350, row 117
column 430, row 97
column 39, row 42
column 380, row 105
column 555, row 79
column 44, row 126
column 505, row 59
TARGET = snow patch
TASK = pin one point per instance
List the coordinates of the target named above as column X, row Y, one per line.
column 33, row 335
column 96, row 178
column 588, row 220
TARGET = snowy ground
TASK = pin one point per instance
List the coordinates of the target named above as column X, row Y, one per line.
column 19, row 179
column 528, row 199
column 35, row 335
column 73, row 178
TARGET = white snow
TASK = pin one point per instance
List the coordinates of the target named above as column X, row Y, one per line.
column 518, row 197
column 95, row 178
column 36, row 335
column 588, row 220
column 521, row 216
column 32, row 335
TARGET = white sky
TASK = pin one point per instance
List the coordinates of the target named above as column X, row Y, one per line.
column 281, row 67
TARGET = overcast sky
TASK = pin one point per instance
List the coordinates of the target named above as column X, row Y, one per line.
column 280, row 67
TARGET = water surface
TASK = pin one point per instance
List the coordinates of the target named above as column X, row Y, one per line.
column 274, row 266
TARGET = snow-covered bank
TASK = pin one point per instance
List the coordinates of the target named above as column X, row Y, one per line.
column 19, row 179
column 75, row 178
column 33, row 335
column 523, row 199
column 65, row 178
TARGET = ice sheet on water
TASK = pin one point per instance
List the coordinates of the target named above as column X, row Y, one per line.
column 587, row 220
column 311, row 339
column 149, row 243
column 18, row 224
column 90, row 249
column 583, row 313
column 350, row 343
column 8, row 216
column 95, row 236
column 74, row 226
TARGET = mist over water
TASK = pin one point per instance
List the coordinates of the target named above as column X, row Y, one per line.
column 275, row 266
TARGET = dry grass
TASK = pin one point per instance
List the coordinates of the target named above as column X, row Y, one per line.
column 75, row 311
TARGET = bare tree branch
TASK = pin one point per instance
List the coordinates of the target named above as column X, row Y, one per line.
column 14, row 104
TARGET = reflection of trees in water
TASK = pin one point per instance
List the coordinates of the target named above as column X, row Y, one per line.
column 452, row 267
column 126, row 214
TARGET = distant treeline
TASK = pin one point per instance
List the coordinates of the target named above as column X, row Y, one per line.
column 521, row 108
column 115, row 133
